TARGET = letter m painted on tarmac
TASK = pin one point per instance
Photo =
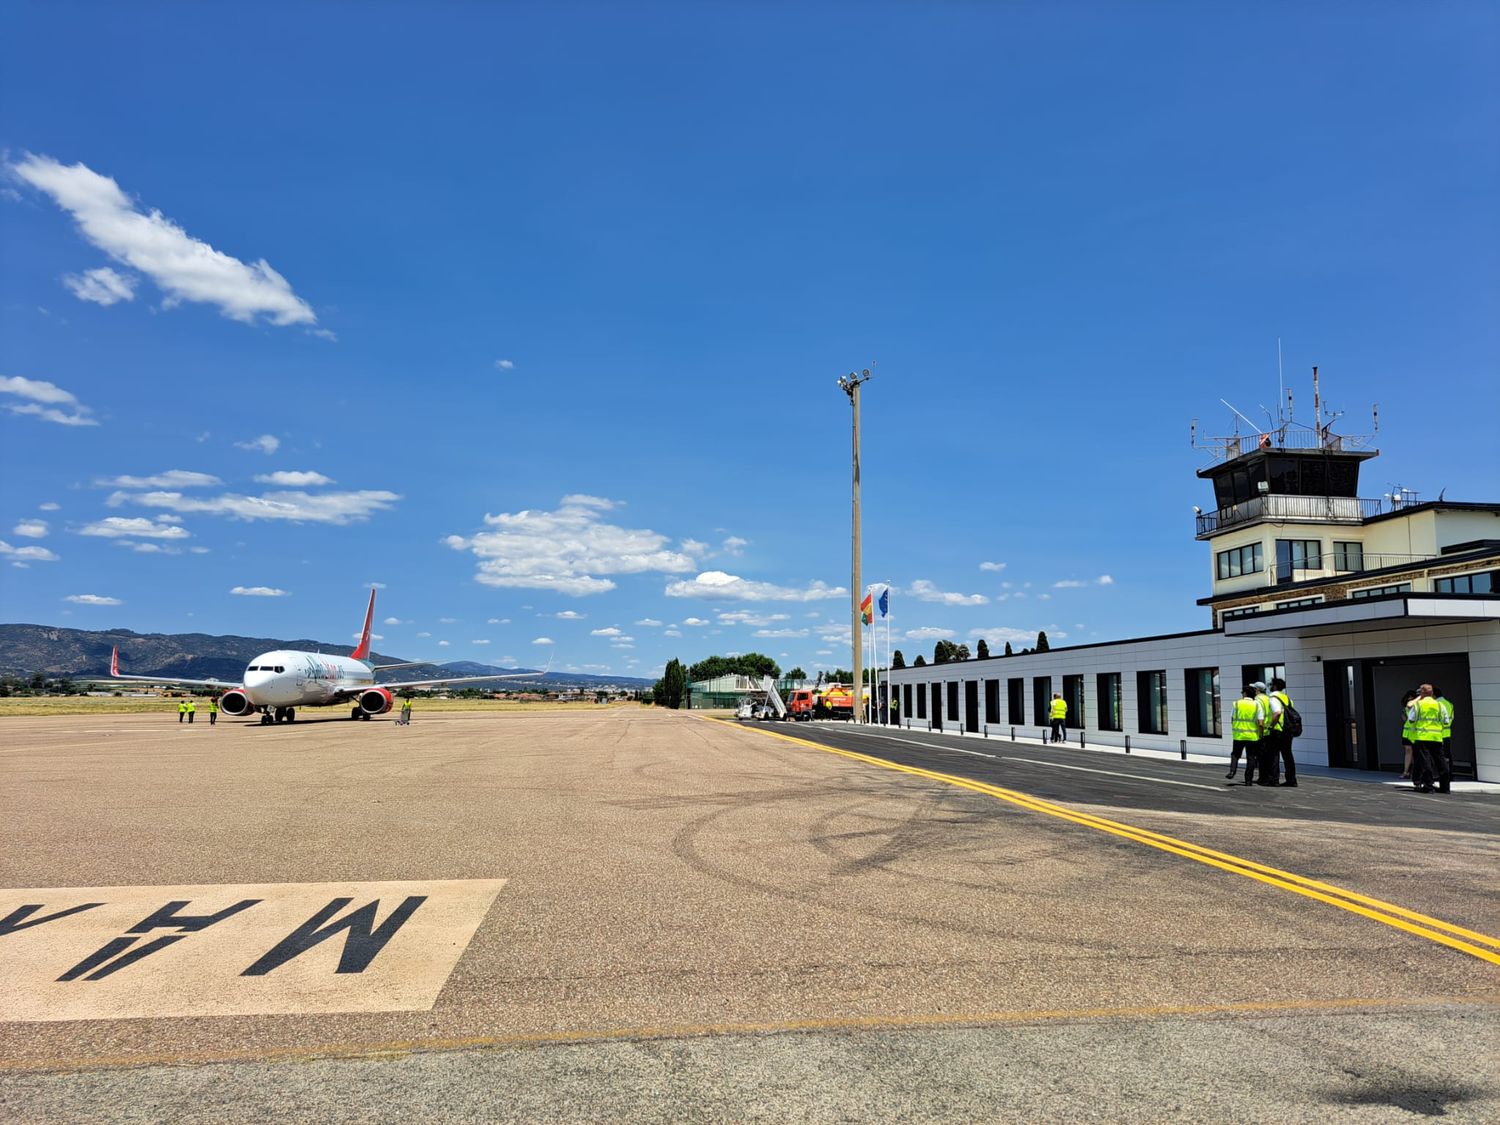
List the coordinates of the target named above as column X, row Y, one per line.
column 363, row 942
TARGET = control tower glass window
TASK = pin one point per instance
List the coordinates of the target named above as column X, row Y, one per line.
column 1239, row 561
column 1348, row 557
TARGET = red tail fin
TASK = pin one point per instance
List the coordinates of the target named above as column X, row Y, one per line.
column 363, row 651
column 114, row 661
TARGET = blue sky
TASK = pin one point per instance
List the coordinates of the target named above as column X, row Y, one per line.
column 554, row 299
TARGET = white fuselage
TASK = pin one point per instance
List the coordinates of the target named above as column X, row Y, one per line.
column 288, row 678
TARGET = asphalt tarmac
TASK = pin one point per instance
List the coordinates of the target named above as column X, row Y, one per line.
column 638, row 915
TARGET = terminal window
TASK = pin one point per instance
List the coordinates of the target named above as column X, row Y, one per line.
column 1348, row 557
column 1204, row 703
column 1041, row 700
column 1240, row 560
column 1380, row 591
column 1015, row 692
column 1109, row 701
column 1485, row 582
column 1151, row 701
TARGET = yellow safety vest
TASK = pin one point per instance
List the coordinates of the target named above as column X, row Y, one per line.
column 1409, row 726
column 213, row 705
column 191, row 707
column 1279, row 721
column 1059, row 708
column 1245, row 722
column 1429, row 724
column 182, row 708
column 1446, row 706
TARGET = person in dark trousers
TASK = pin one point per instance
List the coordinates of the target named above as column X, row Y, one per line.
column 1281, row 738
column 1408, row 732
column 1058, row 713
column 1446, row 706
column 1270, row 709
column 213, row 710
column 192, row 710
column 1247, row 721
column 181, row 710
column 1431, row 764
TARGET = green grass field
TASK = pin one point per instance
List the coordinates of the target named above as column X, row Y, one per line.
column 95, row 705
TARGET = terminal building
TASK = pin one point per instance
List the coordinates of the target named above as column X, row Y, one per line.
column 1352, row 601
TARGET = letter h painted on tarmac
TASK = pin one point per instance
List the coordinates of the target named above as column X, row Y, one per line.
column 114, row 955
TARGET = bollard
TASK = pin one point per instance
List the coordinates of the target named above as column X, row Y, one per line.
column 1012, row 734
column 1080, row 738
column 1182, row 748
column 1127, row 744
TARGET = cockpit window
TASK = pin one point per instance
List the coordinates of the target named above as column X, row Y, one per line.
column 253, row 668
column 279, row 668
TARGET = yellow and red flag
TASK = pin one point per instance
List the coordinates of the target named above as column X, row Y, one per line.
column 867, row 608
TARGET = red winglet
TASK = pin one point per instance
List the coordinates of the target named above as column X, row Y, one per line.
column 114, row 661
column 363, row 651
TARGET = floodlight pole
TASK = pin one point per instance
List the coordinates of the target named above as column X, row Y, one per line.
column 850, row 384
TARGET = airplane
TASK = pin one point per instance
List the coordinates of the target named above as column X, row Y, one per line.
column 277, row 683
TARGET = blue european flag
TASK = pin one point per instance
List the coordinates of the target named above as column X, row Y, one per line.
column 885, row 601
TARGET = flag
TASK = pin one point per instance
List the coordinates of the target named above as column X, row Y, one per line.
column 866, row 609
column 885, row 602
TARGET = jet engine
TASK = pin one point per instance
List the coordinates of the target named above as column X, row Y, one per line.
column 375, row 701
column 235, row 702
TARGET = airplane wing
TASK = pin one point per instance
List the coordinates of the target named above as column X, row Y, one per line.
column 439, row 681
column 114, row 674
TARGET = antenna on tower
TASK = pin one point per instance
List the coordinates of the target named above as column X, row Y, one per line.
column 1317, row 403
column 1280, row 381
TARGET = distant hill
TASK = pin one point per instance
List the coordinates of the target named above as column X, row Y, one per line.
column 55, row 651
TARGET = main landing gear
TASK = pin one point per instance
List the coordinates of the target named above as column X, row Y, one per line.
column 281, row 715
column 359, row 713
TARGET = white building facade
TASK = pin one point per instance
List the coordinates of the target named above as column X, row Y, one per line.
column 1352, row 601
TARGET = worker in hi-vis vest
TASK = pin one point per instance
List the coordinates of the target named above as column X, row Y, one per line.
column 1280, row 738
column 1432, row 762
column 181, row 710
column 192, row 710
column 1247, row 723
column 213, row 710
column 1058, row 713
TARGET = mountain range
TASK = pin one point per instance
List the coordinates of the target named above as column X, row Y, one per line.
column 56, row 651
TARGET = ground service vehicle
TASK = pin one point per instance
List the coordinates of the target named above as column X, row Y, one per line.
column 836, row 701
column 801, row 703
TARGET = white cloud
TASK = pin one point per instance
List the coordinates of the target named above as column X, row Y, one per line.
column 745, row 617
column 183, row 267
column 694, row 547
column 299, row 507
column 92, row 599
column 146, row 548
column 45, row 400
column 995, row 566
column 375, row 585
column 570, row 615
column 1074, row 583
column 731, row 587
column 442, row 644
column 266, row 443
column 481, row 642
column 925, row 591
column 25, row 554
column 671, row 632
column 102, row 286
column 498, row 621
column 734, row 545
column 31, row 529
column 780, row 633
column 695, row 622
column 611, row 631
column 424, row 634
column 199, row 550
column 172, row 478
column 567, row 550
column 118, row 527
column 261, row 592
column 544, row 641
column 293, row 479
column 447, row 621
column 393, row 621
column 927, row 633
column 49, row 506
column 504, row 365
column 650, row 622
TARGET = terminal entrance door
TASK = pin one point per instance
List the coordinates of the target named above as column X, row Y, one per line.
column 971, row 706
column 1365, row 714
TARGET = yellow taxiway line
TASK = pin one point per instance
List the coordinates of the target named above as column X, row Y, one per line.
column 1482, row 946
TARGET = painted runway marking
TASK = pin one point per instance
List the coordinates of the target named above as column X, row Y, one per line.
column 1117, row 773
column 1475, row 944
column 71, row 953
